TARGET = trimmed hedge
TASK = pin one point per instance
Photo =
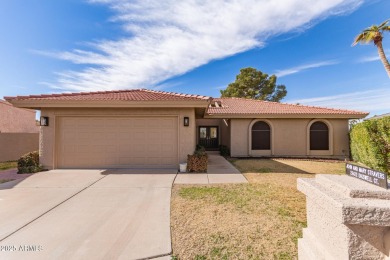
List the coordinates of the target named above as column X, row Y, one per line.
column 370, row 143
column 29, row 163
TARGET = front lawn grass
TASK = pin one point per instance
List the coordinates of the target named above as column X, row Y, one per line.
column 5, row 180
column 8, row 165
column 259, row 220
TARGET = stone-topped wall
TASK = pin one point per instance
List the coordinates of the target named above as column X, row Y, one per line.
column 346, row 219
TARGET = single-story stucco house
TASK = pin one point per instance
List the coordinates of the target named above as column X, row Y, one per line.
column 147, row 128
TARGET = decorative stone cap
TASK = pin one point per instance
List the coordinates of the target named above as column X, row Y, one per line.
column 348, row 199
column 352, row 187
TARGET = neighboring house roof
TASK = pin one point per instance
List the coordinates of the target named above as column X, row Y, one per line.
column 223, row 107
column 379, row 116
column 215, row 107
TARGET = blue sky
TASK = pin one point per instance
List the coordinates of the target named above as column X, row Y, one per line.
column 195, row 47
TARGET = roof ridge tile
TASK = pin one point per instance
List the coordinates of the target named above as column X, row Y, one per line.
column 129, row 95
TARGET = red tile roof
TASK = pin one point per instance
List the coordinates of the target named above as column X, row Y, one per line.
column 227, row 106
column 242, row 106
column 119, row 95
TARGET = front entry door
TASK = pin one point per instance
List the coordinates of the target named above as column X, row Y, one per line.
column 208, row 137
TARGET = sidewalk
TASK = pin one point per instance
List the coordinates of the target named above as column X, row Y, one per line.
column 219, row 170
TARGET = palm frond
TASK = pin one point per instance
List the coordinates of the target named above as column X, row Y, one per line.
column 383, row 24
column 365, row 37
column 371, row 33
column 386, row 28
column 358, row 39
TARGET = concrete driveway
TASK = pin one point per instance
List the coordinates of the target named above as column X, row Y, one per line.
column 87, row 214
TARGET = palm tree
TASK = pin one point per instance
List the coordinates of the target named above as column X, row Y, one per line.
column 374, row 34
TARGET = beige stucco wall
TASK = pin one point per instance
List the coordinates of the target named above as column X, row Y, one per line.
column 290, row 138
column 225, row 132
column 223, row 129
column 16, row 120
column 187, row 135
column 14, row 145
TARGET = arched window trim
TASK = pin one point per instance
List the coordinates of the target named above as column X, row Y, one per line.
column 260, row 152
column 330, row 136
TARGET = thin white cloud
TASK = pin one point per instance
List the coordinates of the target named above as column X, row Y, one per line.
column 369, row 59
column 373, row 100
column 297, row 69
column 169, row 38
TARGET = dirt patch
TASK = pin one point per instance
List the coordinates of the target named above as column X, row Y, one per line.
column 261, row 220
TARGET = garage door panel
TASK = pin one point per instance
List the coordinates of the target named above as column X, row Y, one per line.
column 154, row 149
column 111, row 149
column 139, row 123
column 102, row 142
column 125, row 149
column 168, row 124
column 154, row 160
column 167, row 161
column 139, row 161
column 127, row 123
column 168, row 148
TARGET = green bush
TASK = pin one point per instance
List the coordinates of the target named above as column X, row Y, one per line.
column 224, row 150
column 370, row 143
column 200, row 151
column 29, row 163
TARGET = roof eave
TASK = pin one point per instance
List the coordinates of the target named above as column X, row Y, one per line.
column 39, row 104
column 237, row 116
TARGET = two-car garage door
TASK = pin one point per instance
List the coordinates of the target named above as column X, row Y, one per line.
column 117, row 142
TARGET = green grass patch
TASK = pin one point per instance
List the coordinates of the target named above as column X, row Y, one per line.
column 8, row 165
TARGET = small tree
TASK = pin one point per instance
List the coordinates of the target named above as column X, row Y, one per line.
column 254, row 84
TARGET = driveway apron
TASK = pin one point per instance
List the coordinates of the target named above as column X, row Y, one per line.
column 116, row 214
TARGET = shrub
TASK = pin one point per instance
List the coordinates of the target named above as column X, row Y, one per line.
column 224, row 150
column 29, row 163
column 200, row 151
column 370, row 143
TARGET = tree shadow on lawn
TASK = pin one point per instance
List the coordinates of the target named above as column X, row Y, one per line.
column 278, row 166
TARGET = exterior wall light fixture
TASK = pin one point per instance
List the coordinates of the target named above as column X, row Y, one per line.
column 44, row 121
column 186, row 121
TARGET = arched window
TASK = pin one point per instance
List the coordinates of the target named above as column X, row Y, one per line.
column 261, row 136
column 319, row 136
